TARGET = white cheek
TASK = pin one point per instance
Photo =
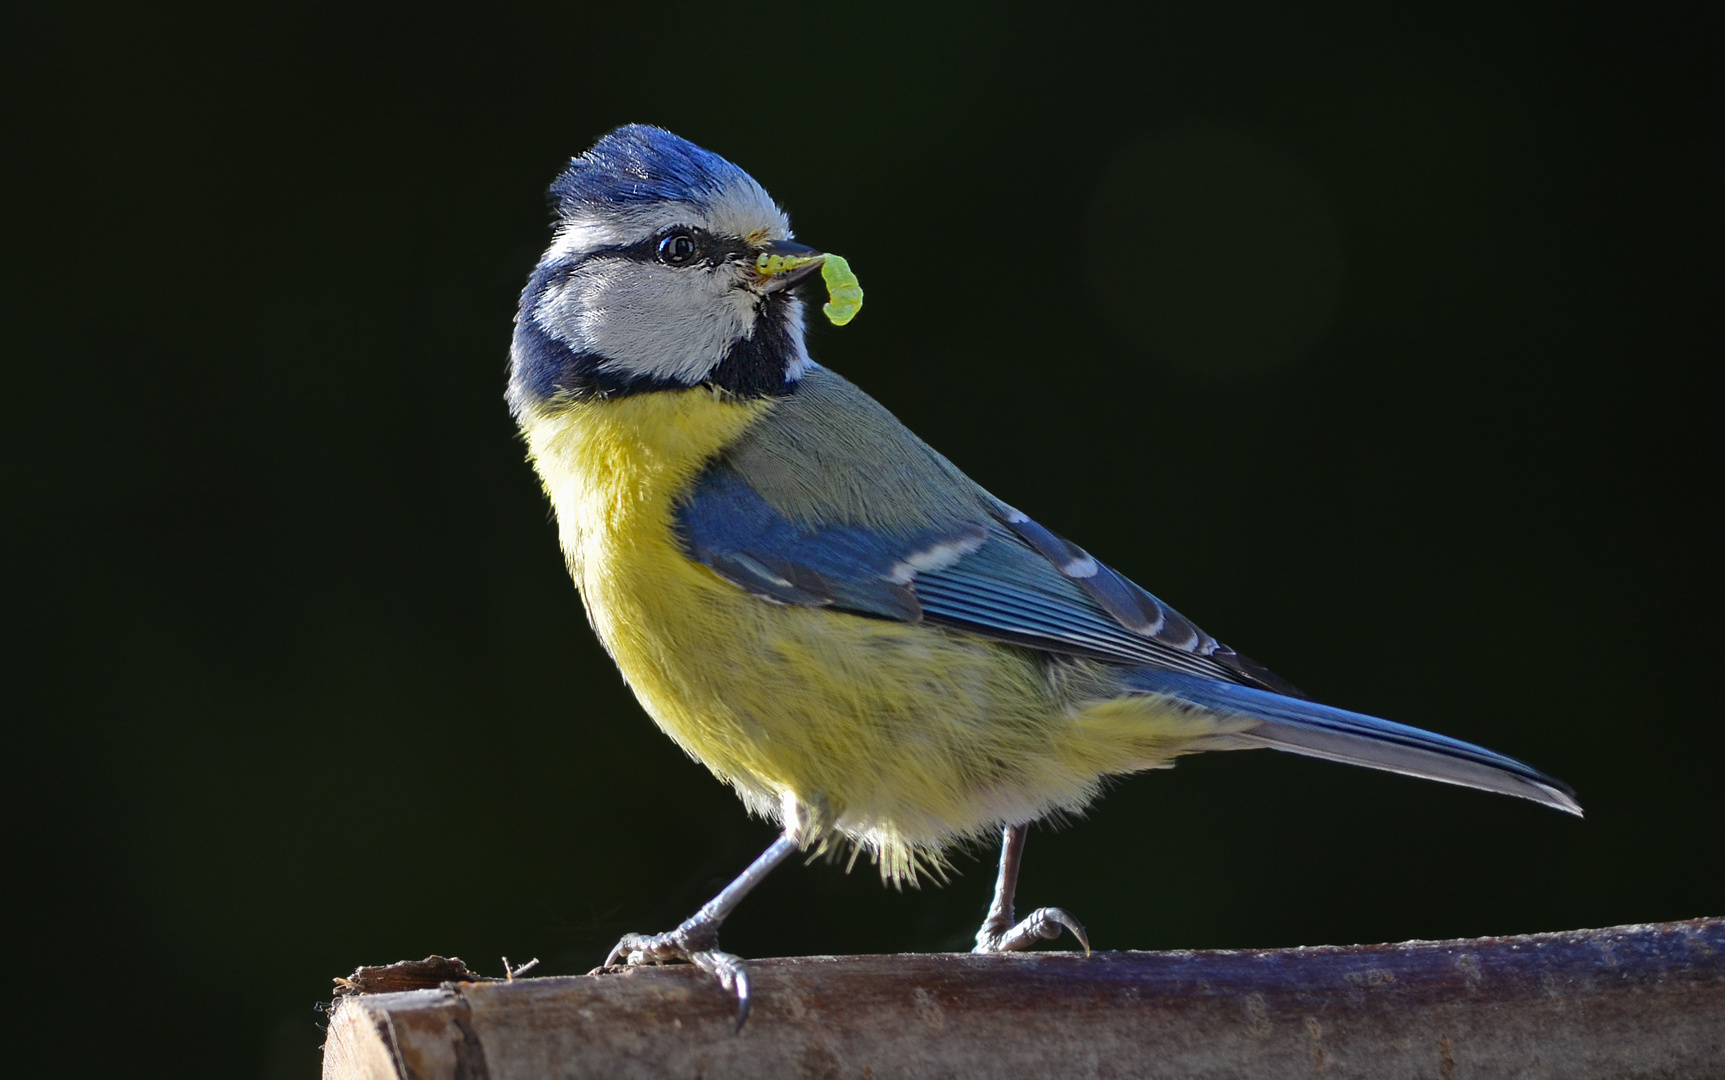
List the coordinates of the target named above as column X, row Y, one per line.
column 650, row 320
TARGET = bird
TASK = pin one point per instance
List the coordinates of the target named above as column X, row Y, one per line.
column 873, row 651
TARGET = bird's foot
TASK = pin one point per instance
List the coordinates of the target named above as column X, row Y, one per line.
column 1043, row 924
column 696, row 941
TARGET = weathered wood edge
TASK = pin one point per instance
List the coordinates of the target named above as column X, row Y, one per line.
column 1643, row 1000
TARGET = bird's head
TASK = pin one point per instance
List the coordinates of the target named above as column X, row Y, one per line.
column 662, row 275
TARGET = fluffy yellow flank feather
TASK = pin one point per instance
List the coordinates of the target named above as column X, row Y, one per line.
column 901, row 737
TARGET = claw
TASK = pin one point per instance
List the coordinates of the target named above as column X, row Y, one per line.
column 1043, row 924
column 685, row 943
column 697, row 940
column 1063, row 918
column 616, row 951
column 733, row 974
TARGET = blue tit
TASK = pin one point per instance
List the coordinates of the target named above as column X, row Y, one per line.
column 867, row 646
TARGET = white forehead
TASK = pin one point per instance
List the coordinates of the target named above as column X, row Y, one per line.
column 741, row 208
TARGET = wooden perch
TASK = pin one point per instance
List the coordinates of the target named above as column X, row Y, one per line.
column 1642, row 1001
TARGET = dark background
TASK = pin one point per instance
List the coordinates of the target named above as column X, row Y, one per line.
column 1381, row 343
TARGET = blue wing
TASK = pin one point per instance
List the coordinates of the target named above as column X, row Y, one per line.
column 1005, row 577
column 1000, row 575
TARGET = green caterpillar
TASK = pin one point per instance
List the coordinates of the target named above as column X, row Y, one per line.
column 844, row 292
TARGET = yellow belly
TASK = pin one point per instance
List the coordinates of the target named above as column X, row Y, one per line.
column 902, row 737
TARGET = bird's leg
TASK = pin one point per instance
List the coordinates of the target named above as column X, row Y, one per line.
column 998, row 934
column 697, row 939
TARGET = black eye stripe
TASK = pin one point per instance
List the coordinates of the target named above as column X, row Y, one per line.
column 719, row 249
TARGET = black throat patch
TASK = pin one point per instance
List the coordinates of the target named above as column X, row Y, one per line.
column 755, row 366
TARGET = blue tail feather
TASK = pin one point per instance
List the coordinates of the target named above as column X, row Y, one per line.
column 1306, row 727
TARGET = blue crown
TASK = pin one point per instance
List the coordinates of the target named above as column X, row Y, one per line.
column 641, row 164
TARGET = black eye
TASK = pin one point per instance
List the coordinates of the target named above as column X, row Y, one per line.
column 678, row 249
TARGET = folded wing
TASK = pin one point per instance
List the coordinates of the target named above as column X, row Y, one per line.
column 1003, row 576
column 1000, row 576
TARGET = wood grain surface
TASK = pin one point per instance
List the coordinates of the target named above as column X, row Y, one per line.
column 1630, row 1001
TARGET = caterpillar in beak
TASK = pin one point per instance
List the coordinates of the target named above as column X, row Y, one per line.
column 844, row 292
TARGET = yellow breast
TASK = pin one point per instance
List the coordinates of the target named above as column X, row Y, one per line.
column 899, row 736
